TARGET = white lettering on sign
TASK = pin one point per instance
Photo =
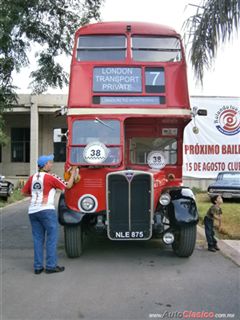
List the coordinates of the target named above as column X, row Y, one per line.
column 129, row 235
column 117, row 71
column 117, row 80
column 116, row 87
column 156, row 75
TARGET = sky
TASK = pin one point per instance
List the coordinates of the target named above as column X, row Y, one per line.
column 221, row 80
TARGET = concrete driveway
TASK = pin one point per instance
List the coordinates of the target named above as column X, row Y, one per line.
column 112, row 280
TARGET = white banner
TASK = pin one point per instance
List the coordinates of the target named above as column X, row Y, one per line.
column 217, row 145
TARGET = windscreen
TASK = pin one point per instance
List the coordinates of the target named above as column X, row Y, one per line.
column 229, row 176
column 95, row 139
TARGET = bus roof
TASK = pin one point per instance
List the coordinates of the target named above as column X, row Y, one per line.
column 120, row 27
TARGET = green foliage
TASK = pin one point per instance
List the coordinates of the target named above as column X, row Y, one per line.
column 196, row 190
column 49, row 23
column 4, row 139
column 50, row 74
column 16, row 196
column 213, row 23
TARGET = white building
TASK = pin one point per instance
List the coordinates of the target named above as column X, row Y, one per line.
column 30, row 126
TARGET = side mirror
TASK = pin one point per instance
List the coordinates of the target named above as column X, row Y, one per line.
column 197, row 112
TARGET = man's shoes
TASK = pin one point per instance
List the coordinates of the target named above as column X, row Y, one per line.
column 56, row 269
column 211, row 249
column 216, row 247
column 38, row 271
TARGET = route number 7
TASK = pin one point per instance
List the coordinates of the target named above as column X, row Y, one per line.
column 155, row 77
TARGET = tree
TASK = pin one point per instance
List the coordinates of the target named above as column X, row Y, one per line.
column 49, row 23
column 213, row 23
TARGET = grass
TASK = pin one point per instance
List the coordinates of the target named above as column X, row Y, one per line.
column 16, row 196
column 230, row 217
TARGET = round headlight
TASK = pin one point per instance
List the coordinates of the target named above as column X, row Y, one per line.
column 87, row 203
column 165, row 199
column 168, row 237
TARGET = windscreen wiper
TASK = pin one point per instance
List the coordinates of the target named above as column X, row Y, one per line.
column 104, row 123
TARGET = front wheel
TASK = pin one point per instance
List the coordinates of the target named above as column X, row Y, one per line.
column 185, row 240
column 73, row 241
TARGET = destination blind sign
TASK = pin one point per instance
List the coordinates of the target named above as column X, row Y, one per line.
column 117, row 79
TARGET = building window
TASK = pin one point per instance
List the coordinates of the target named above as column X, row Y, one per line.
column 20, row 144
column 59, row 142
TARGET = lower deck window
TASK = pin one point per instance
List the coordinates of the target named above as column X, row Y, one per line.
column 140, row 147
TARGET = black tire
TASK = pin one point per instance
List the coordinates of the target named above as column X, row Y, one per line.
column 185, row 240
column 73, row 241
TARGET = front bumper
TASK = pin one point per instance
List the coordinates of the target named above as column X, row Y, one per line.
column 6, row 189
column 67, row 216
column 225, row 193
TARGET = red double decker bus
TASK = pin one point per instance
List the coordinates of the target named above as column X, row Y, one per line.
column 127, row 109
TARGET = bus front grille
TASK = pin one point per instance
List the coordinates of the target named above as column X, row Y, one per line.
column 129, row 205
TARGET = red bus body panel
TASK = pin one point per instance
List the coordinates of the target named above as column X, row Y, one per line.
column 81, row 97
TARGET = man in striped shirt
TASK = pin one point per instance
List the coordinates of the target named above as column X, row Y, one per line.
column 42, row 214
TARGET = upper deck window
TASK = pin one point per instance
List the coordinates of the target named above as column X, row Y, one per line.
column 101, row 48
column 156, row 49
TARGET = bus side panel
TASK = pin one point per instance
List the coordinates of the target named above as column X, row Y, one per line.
column 176, row 86
column 80, row 89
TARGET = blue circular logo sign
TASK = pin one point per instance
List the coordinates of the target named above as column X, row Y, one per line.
column 227, row 120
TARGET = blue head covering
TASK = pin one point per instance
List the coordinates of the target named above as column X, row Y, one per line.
column 42, row 160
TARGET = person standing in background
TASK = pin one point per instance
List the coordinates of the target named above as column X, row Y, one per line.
column 213, row 213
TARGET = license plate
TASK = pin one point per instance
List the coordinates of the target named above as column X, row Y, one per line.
column 129, row 235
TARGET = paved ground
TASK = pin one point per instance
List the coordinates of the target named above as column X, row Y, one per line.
column 112, row 280
column 229, row 248
column 235, row 244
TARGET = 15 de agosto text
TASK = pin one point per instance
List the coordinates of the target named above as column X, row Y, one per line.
column 220, row 150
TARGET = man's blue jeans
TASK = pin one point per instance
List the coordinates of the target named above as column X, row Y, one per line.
column 44, row 225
